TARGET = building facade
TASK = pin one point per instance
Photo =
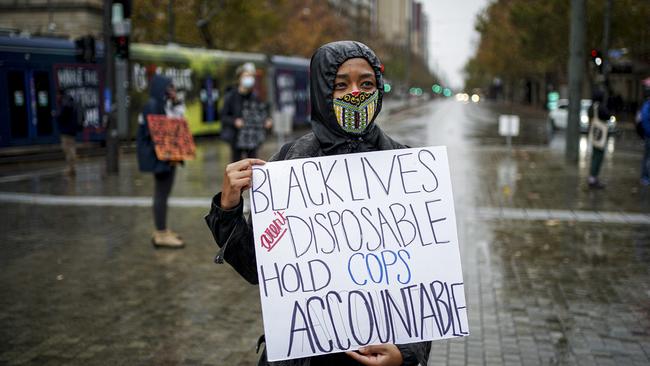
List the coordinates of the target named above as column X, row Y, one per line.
column 52, row 18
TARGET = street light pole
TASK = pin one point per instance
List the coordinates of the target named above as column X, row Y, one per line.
column 170, row 23
column 112, row 141
column 576, row 72
column 605, row 47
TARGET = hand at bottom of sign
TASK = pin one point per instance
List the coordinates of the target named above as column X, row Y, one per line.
column 378, row 355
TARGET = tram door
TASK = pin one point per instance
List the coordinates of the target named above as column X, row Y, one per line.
column 31, row 104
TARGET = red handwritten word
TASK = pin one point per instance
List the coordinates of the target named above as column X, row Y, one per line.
column 274, row 232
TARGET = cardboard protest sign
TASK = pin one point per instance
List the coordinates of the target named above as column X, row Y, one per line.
column 171, row 138
column 253, row 133
column 357, row 249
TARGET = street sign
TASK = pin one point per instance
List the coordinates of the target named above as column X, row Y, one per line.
column 508, row 125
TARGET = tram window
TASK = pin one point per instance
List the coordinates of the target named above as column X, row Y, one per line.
column 43, row 110
column 17, row 104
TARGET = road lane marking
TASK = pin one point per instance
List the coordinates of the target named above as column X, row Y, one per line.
column 487, row 213
column 105, row 201
column 528, row 214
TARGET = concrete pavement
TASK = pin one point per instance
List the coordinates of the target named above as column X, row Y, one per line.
column 555, row 273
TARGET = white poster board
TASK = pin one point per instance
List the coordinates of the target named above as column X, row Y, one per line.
column 357, row 249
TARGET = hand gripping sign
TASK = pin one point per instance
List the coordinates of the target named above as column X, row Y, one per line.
column 357, row 249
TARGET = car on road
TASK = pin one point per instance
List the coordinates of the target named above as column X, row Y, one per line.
column 558, row 117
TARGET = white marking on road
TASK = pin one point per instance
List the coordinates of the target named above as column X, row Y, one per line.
column 108, row 201
column 488, row 213
column 528, row 214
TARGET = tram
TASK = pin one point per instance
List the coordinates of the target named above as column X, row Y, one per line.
column 33, row 69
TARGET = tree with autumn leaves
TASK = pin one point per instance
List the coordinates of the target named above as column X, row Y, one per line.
column 279, row 27
column 529, row 39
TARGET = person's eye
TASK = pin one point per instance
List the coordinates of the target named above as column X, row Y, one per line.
column 340, row 86
column 368, row 84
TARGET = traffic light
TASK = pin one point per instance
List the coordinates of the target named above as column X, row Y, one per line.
column 596, row 58
column 121, row 44
column 85, row 49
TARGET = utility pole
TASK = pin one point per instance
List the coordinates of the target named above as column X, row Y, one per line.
column 409, row 30
column 576, row 72
column 170, row 23
column 112, row 142
column 605, row 48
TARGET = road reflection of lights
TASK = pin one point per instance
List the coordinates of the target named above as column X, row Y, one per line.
column 582, row 151
column 584, row 144
column 611, row 144
column 507, row 172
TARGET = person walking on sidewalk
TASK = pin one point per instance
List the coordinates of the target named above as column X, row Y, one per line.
column 598, row 130
column 245, row 118
column 162, row 101
column 69, row 122
column 342, row 76
column 644, row 122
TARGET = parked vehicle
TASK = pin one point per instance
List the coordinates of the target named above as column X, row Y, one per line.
column 558, row 117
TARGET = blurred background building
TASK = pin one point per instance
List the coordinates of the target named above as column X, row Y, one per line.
column 52, row 18
column 521, row 51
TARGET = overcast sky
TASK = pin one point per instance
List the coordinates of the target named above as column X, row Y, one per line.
column 452, row 37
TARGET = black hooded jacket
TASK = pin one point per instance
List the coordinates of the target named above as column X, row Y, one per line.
column 234, row 234
column 147, row 160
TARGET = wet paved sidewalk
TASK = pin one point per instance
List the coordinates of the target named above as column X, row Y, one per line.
column 555, row 273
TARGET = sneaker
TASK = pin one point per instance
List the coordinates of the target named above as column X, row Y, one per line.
column 596, row 184
column 165, row 239
column 177, row 235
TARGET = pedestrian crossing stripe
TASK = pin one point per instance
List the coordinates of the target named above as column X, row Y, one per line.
column 486, row 213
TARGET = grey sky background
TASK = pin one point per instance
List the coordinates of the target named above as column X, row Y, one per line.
column 452, row 38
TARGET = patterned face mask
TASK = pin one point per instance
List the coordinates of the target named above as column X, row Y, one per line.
column 355, row 112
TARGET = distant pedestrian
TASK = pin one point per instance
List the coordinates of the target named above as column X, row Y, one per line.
column 598, row 131
column 69, row 121
column 162, row 101
column 245, row 119
column 644, row 126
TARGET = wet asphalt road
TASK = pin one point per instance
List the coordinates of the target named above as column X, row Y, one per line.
column 554, row 273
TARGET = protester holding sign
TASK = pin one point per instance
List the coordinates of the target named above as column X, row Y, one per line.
column 346, row 96
column 244, row 116
column 162, row 102
column 598, row 131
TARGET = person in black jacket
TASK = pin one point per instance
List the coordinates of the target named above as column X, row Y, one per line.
column 67, row 117
column 244, row 117
column 162, row 101
column 341, row 72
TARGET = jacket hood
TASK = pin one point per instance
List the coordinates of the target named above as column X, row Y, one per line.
column 323, row 67
column 157, row 88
